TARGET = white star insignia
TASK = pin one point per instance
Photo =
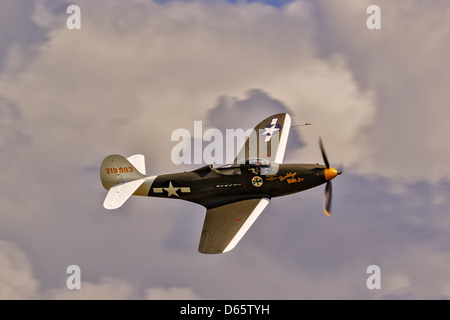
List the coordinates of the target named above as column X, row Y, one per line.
column 270, row 130
column 171, row 190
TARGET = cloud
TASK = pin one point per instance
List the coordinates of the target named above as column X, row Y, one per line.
column 20, row 36
column 17, row 281
column 16, row 277
column 406, row 67
column 11, row 135
column 173, row 293
column 119, row 289
column 246, row 113
column 107, row 288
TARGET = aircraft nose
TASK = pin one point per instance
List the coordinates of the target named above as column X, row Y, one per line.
column 331, row 173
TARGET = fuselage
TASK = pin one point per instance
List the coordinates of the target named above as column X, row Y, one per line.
column 212, row 187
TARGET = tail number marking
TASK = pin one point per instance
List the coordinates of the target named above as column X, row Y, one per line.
column 119, row 170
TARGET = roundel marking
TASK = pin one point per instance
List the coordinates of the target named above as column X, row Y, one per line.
column 257, row 181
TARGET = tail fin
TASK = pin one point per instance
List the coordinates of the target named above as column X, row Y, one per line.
column 138, row 161
column 122, row 178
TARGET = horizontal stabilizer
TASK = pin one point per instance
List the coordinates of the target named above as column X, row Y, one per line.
column 119, row 193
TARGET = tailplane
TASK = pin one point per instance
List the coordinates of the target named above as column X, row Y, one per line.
column 122, row 177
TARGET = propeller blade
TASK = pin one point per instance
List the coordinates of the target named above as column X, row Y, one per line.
column 327, row 199
column 324, row 155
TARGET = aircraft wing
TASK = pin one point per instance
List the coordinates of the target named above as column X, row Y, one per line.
column 225, row 226
column 268, row 140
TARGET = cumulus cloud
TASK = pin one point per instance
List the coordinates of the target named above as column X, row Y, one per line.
column 118, row 289
column 106, row 288
column 16, row 277
column 246, row 113
column 138, row 70
column 20, row 36
column 155, row 80
column 173, row 293
column 11, row 135
column 18, row 281
column 406, row 66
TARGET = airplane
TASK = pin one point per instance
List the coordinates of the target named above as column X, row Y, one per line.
column 235, row 194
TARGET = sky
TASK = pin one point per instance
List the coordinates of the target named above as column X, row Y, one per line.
column 138, row 70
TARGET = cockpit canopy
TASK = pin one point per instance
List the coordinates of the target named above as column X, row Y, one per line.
column 253, row 166
column 229, row 169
